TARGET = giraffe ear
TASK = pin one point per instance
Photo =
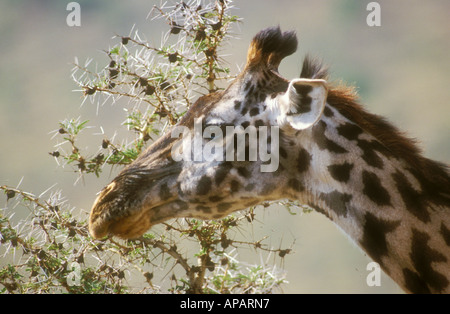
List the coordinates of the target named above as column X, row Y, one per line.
column 303, row 103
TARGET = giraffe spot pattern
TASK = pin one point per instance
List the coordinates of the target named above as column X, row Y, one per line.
column 254, row 112
column 267, row 189
column 369, row 148
column 222, row 172
column 205, row 209
column 414, row 283
column 328, row 112
column 249, row 187
column 245, row 124
column 259, row 123
column 349, row 130
column 180, row 205
column 323, row 142
column 243, row 172
column 204, row 185
column 374, row 190
column 423, row 256
column 414, row 202
column 215, row 198
column 303, row 160
column 295, row 185
column 341, row 172
column 223, row 207
column 374, row 235
column 369, row 155
column 432, row 192
column 337, row 202
column 235, row 186
column 164, row 192
column 445, row 232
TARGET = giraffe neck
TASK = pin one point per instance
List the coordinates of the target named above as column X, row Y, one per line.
column 380, row 201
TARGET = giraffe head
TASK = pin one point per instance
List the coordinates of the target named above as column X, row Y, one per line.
column 268, row 138
column 227, row 153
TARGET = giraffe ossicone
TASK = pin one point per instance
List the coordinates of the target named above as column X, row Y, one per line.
column 350, row 165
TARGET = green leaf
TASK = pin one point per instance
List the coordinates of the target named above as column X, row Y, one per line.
column 114, row 50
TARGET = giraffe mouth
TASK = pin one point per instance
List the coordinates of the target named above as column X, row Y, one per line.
column 135, row 225
column 128, row 206
column 131, row 226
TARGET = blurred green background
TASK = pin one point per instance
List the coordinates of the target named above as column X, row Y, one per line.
column 401, row 70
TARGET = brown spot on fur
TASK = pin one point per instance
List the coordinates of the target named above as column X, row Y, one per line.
column 303, row 160
column 340, row 172
column 164, row 192
column 295, row 185
column 374, row 236
column 413, row 200
column 204, row 185
column 235, row 186
column 318, row 132
column 222, row 172
column 223, row 207
column 337, row 202
column 374, row 190
column 445, row 234
column 423, row 258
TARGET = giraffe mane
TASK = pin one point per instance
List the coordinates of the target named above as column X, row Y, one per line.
column 345, row 99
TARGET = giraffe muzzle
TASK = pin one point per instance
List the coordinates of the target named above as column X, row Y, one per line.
column 127, row 206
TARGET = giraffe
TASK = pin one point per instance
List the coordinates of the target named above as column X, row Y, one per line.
column 350, row 165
